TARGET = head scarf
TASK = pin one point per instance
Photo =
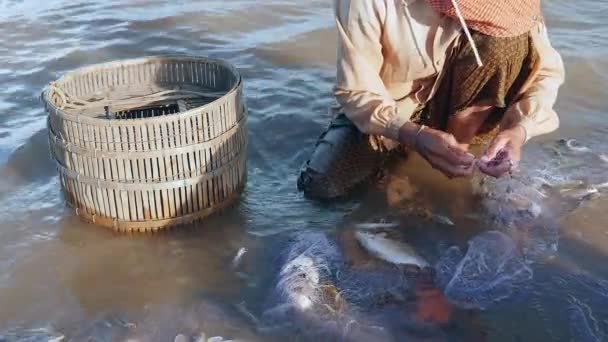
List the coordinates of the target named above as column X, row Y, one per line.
column 497, row 18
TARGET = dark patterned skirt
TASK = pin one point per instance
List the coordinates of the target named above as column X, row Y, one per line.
column 507, row 63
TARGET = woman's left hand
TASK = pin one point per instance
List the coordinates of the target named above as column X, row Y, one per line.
column 504, row 152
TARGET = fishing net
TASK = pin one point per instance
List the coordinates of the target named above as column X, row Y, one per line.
column 586, row 297
column 514, row 206
column 490, row 271
column 318, row 295
column 368, row 289
column 303, row 282
column 583, row 324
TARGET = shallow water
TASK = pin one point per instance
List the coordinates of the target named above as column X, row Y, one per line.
column 56, row 270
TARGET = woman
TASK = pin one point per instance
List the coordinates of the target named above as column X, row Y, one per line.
column 435, row 76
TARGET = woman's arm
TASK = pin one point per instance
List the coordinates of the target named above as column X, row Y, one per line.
column 359, row 89
column 365, row 99
column 534, row 110
column 532, row 115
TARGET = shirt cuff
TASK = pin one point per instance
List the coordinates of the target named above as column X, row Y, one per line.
column 528, row 126
column 395, row 124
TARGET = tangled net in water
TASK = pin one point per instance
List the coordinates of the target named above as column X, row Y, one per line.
column 584, row 326
column 491, row 270
column 317, row 295
column 303, row 293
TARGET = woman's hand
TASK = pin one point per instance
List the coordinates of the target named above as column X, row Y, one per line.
column 504, row 152
column 440, row 149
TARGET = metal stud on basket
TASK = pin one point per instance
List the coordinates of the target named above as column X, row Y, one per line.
column 149, row 143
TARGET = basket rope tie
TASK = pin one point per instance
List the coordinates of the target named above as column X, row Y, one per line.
column 127, row 101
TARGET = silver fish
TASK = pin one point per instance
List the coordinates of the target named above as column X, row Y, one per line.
column 391, row 251
column 561, row 183
column 180, row 338
column 237, row 258
column 601, row 186
column 299, row 280
column 46, row 334
column 202, row 337
column 443, row 219
column 377, row 225
column 604, row 158
column 580, row 193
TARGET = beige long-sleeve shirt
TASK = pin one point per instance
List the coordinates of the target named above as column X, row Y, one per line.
column 391, row 54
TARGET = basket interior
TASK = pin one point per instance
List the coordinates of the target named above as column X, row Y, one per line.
column 146, row 112
column 148, row 88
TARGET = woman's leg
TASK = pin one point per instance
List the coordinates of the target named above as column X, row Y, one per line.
column 342, row 159
column 466, row 124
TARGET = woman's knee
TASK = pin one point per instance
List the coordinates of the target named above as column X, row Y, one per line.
column 342, row 159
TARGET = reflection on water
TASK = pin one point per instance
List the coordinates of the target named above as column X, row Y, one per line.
column 69, row 278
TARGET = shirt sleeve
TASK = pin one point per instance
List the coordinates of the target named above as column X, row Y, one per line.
column 534, row 110
column 360, row 90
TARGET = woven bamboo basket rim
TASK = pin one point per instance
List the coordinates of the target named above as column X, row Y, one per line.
column 139, row 61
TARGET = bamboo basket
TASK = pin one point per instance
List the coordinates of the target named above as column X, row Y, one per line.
column 149, row 143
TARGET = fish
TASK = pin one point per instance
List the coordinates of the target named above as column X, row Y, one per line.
column 604, row 158
column 299, row 280
column 306, row 268
column 202, row 337
column 561, row 183
column 237, row 258
column 377, row 225
column 391, row 251
column 580, row 193
column 180, row 338
column 601, row 186
column 46, row 334
column 443, row 220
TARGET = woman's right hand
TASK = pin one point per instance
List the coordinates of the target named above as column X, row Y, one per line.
column 439, row 149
